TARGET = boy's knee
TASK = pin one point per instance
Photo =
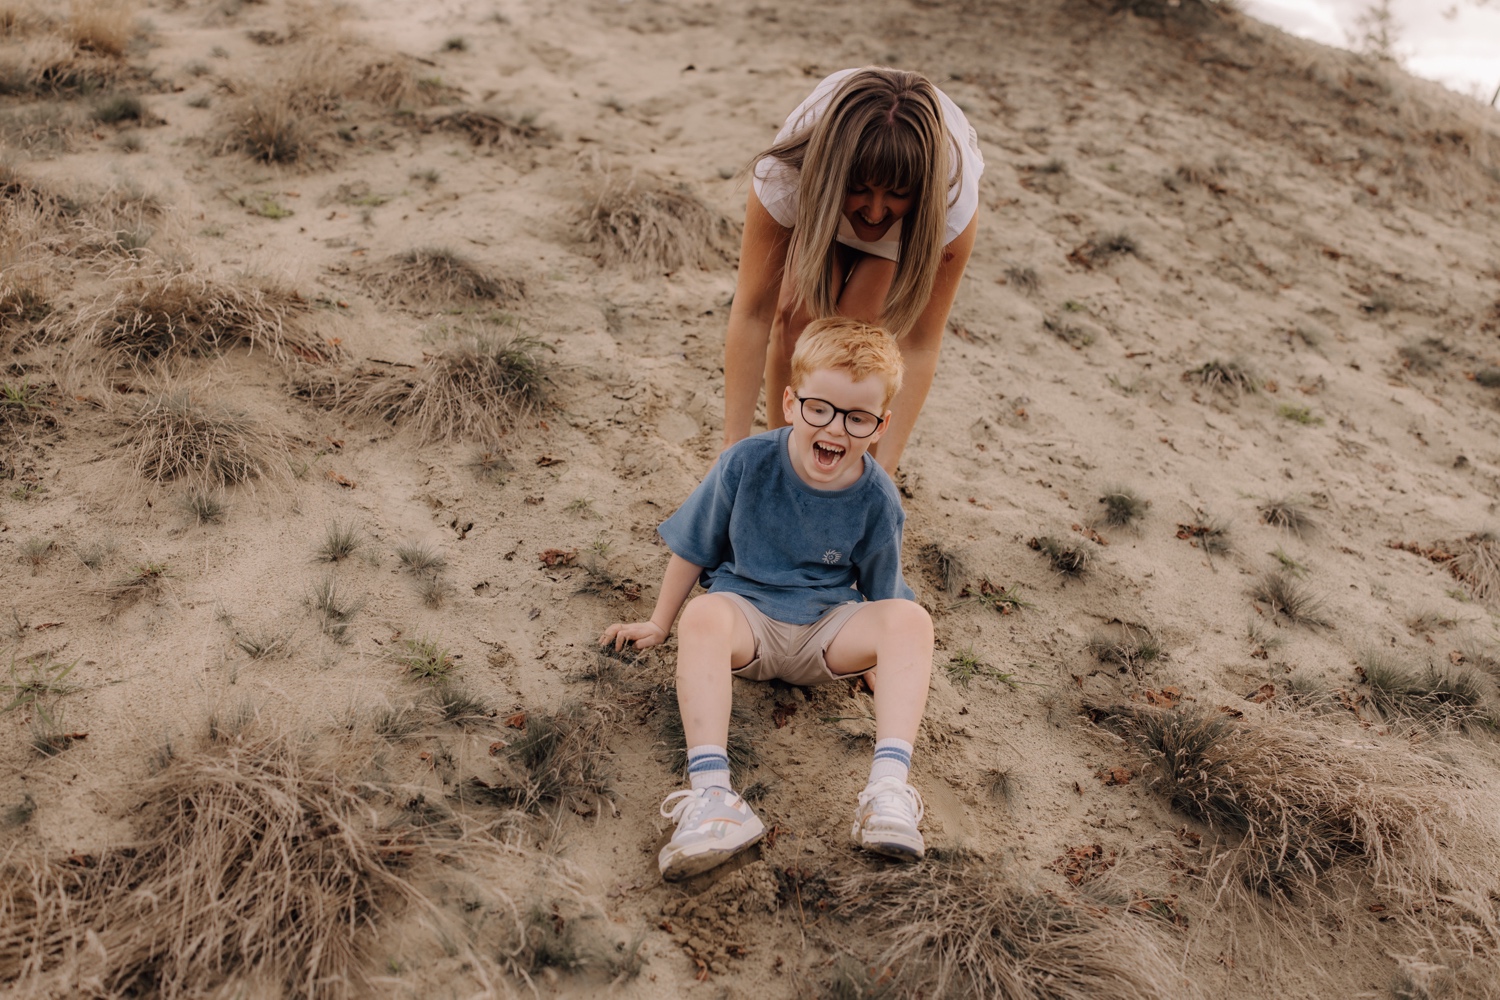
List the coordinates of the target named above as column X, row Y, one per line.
column 907, row 618
column 707, row 614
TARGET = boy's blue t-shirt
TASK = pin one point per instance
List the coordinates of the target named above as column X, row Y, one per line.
column 794, row 551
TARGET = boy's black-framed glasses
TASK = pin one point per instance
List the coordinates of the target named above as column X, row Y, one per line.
column 821, row 413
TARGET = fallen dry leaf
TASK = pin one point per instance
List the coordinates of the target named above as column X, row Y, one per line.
column 1115, row 775
column 347, row 484
column 1167, row 697
column 557, row 557
column 517, row 721
column 1079, row 864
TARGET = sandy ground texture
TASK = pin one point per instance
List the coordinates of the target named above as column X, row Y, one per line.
column 1214, row 444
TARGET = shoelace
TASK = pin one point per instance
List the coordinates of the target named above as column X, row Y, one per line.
column 690, row 801
column 907, row 798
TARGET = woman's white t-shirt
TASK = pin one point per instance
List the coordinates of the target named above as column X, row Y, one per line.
column 777, row 185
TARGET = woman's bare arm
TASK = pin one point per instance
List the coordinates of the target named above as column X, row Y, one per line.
column 762, row 260
column 919, row 348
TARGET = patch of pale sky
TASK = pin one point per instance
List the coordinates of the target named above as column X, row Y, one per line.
column 1461, row 51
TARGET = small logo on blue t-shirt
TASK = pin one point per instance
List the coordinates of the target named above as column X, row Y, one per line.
column 832, row 556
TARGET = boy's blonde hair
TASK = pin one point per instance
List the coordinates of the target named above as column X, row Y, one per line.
column 881, row 126
column 849, row 345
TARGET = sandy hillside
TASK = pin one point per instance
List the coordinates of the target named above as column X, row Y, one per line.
column 1200, row 504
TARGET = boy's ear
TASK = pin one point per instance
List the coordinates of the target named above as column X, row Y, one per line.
column 788, row 404
column 885, row 424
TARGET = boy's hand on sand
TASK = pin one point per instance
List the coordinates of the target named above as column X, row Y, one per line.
column 643, row 635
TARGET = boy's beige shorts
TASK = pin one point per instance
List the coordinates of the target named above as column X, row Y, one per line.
column 793, row 653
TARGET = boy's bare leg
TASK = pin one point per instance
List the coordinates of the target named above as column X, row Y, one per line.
column 896, row 635
column 713, row 638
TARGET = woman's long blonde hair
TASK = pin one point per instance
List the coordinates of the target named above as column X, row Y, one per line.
column 881, row 126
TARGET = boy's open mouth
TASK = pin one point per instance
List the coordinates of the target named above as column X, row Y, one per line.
column 827, row 455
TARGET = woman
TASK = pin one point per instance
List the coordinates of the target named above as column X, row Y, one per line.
column 866, row 206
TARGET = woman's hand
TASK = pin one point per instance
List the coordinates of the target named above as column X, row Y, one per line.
column 641, row 635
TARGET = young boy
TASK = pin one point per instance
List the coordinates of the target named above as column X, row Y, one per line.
column 785, row 524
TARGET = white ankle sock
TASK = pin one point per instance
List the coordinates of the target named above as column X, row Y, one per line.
column 892, row 760
column 708, row 766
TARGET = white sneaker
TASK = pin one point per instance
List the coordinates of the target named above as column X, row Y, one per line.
column 886, row 820
column 713, row 825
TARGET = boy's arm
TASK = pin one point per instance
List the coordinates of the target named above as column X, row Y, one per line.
column 878, row 570
column 676, row 583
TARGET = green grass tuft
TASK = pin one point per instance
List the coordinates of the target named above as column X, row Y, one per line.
column 1298, row 415
column 965, row 666
column 425, row 660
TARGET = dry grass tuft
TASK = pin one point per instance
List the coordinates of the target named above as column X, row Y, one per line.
column 174, row 437
column 1476, row 564
column 1289, row 513
column 419, row 557
column 285, row 118
column 557, row 758
column 1296, row 808
column 1231, row 378
column 480, row 386
column 52, row 65
column 265, row 644
column 103, row 26
column 650, row 225
column 1130, row 648
column 460, row 706
column 1460, row 695
column 1286, row 596
column 271, row 126
column 251, row 863
column 1069, row 559
column 438, row 275
column 204, row 507
column 1023, row 278
column 1122, row 506
column 45, row 128
column 340, row 541
column 964, row 930
column 145, row 580
column 493, row 129
column 947, row 565
column 1422, row 357
column 337, row 607
column 165, row 315
column 1477, row 653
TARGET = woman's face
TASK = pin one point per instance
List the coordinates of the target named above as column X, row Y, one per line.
column 873, row 209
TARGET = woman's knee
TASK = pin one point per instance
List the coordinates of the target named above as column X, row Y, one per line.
column 787, row 327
